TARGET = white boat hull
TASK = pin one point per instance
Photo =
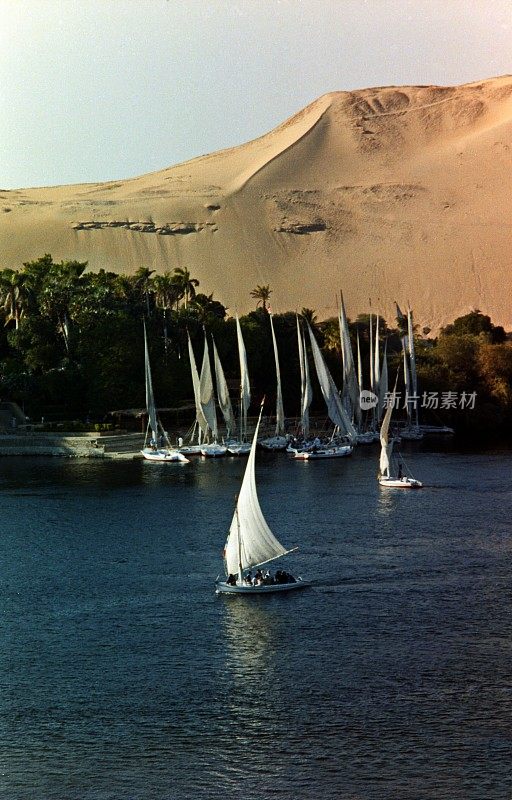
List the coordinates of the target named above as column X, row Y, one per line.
column 327, row 452
column 213, row 451
column 163, row 455
column 401, row 483
column 239, row 449
column 274, row 443
column 221, row 587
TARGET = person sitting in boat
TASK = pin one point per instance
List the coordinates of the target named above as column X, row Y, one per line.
column 258, row 578
column 231, row 580
column 248, row 578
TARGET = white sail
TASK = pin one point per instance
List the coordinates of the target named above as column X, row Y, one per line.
column 150, row 400
column 245, row 387
column 412, row 360
column 250, row 541
column 200, row 417
column 306, row 392
column 407, row 378
column 376, row 359
column 206, row 393
column 279, row 393
column 350, row 391
column 359, row 364
column 335, row 410
column 223, row 393
column 385, row 442
column 383, row 380
column 372, row 375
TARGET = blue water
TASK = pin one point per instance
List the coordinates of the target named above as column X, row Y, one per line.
column 123, row 676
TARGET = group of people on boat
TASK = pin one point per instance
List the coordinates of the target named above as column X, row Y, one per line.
column 263, row 578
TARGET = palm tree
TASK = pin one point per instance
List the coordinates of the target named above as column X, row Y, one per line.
column 309, row 315
column 261, row 294
column 143, row 284
column 13, row 295
column 186, row 283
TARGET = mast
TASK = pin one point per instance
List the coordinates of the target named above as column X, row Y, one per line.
column 279, row 394
column 412, row 359
column 245, row 388
column 306, row 394
column 150, row 400
column 223, row 393
column 335, row 409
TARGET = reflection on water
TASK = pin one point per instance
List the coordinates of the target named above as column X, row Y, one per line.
column 125, row 678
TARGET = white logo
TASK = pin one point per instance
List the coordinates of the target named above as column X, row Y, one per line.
column 367, row 400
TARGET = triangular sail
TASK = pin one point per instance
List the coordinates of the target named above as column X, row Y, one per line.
column 306, row 392
column 383, row 380
column 335, row 410
column 385, row 442
column 245, row 386
column 223, row 393
column 200, row 417
column 376, row 360
column 279, row 393
column 250, row 541
column 350, row 391
column 206, row 393
column 150, row 400
column 412, row 360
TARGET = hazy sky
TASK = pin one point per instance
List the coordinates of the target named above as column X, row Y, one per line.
column 106, row 89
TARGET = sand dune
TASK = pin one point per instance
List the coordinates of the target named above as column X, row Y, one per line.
column 389, row 193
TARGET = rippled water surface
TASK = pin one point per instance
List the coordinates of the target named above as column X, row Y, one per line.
column 123, row 675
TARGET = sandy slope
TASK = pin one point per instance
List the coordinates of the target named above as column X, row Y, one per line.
column 389, row 193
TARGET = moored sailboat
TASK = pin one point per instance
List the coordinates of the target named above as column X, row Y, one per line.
column 385, row 478
column 278, row 441
column 252, row 544
column 158, row 447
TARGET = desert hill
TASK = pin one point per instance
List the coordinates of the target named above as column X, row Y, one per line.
column 389, row 193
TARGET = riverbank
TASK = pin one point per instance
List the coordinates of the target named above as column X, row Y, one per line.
column 71, row 445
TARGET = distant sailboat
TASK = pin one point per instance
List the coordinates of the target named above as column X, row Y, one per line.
column 152, row 450
column 343, row 426
column 398, row 480
column 278, row 441
column 241, row 446
column 209, row 449
column 252, row 544
column 223, row 394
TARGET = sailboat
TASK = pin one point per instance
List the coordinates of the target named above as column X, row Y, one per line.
column 212, row 449
column 278, row 441
column 241, row 447
column 337, row 414
column 151, row 450
column 385, row 478
column 251, row 543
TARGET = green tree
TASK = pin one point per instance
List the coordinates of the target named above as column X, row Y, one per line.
column 187, row 284
column 262, row 294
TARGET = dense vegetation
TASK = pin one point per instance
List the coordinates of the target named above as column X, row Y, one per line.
column 72, row 346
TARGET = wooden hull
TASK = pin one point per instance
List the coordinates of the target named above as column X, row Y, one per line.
column 221, row 587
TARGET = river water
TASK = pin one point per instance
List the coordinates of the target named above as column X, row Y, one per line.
column 124, row 677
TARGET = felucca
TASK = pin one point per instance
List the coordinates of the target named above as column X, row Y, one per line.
column 251, row 543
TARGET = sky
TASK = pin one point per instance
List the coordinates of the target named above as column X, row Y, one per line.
column 109, row 89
